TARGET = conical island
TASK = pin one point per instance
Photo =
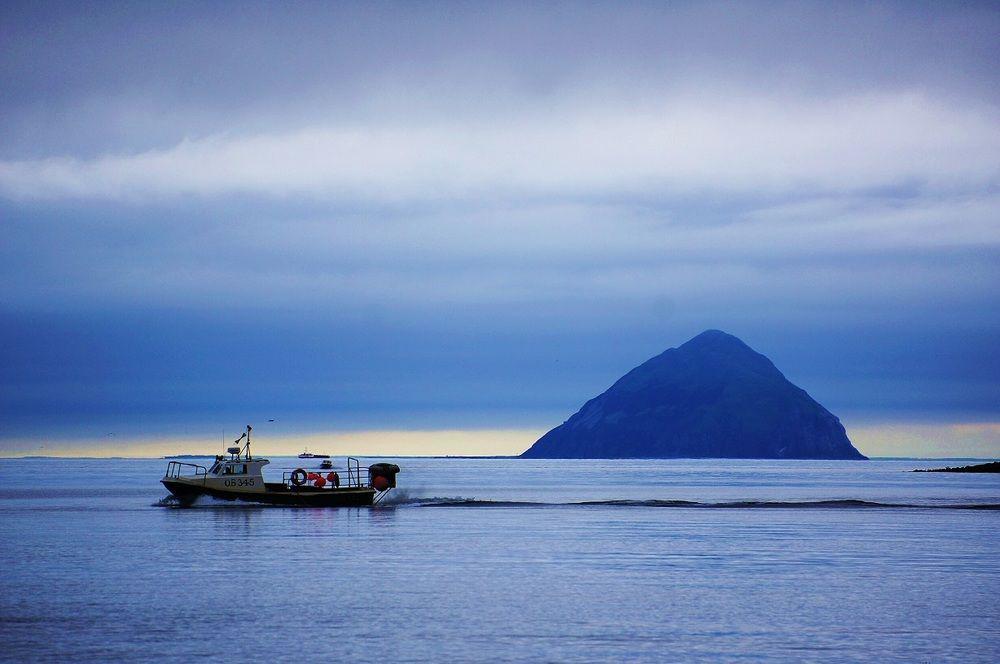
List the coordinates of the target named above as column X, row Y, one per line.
column 712, row 397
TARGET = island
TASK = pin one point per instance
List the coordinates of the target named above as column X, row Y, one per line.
column 712, row 397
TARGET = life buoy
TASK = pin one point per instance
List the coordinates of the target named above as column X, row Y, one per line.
column 299, row 476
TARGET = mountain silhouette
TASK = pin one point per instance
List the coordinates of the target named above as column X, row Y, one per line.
column 712, row 397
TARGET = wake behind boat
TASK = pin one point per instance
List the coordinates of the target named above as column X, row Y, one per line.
column 241, row 477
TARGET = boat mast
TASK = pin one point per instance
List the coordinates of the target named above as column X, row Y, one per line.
column 246, row 448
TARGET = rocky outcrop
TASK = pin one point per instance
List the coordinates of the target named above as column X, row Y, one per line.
column 991, row 467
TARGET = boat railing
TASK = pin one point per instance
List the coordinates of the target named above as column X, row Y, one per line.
column 354, row 471
column 352, row 477
column 178, row 469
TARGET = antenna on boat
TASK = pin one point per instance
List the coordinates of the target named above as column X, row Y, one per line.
column 246, row 448
column 236, row 450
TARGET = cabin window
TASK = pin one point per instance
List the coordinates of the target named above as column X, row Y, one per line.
column 236, row 469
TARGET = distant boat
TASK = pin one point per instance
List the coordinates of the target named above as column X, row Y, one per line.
column 308, row 455
column 326, row 464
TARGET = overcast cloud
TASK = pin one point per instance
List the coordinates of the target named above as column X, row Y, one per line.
column 478, row 216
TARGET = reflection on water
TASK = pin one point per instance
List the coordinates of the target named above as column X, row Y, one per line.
column 508, row 560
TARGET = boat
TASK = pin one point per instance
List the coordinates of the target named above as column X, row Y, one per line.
column 308, row 455
column 326, row 464
column 239, row 476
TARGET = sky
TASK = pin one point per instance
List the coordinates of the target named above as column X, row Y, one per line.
column 439, row 228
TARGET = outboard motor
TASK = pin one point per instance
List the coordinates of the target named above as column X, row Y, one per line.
column 382, row 476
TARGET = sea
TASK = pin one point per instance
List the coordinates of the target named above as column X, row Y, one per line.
column 509, row 560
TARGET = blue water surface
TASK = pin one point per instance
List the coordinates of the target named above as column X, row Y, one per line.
column 509, row 560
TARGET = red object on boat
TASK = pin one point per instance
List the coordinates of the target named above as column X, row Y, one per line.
column 320, row 482
column 312, row 477
column 333, row 478
column 380, row 483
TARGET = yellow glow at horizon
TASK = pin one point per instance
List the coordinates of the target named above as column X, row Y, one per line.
column 981, row 440
column 977, row 440
column 454, row 442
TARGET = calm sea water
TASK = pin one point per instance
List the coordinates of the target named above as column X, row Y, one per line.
column 509, row 560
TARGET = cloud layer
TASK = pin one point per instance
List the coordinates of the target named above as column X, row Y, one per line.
column 478, row 216
column 725, row 144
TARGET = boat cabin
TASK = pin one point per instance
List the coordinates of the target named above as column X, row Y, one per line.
column 237, row 466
